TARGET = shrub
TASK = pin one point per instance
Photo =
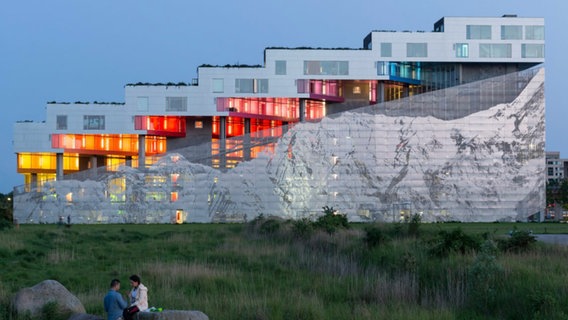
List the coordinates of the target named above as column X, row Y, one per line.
column 331, row 220
column 374, row 236
column 414, row 225
column 520, row 240
column 303, row 228
column 484, row 277
column 454, row 241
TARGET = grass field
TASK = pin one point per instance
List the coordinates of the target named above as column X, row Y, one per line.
column 273, row 269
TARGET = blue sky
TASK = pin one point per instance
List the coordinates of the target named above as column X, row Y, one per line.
column 67, row 50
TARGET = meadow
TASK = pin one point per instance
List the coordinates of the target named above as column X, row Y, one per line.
column 276, row 269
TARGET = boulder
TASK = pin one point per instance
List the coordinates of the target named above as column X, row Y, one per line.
column 85, row 316
column 32, row 300
column 173, row 315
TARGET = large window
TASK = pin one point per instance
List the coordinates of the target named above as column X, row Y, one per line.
column 530, row 50
column 495, row 50
column 462, row 50
column 61, row 123
column 417, row 50
column 334, row 68
column 251, row 85
column 218, row 85
column 482, row 32
column 386, row 49
column 93, row 122
column 511, row 32
column 280, row 67
column 176, row 103
column 534, row 32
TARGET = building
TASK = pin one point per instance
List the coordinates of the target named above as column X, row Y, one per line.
column 556, row 167
column 231, row 116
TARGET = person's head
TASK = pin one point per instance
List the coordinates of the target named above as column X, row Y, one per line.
column 115, row 284
column 134, row 280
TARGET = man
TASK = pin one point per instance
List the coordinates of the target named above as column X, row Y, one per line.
column 113, row 301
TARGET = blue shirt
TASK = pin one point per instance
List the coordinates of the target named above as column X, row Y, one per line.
column 114, row 304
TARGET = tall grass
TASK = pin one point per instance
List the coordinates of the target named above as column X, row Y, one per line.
column 290, row 270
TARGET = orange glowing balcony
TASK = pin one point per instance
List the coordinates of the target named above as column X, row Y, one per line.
column 169, row 126
column 104, row 144
column 284, row 109
column 43, row 162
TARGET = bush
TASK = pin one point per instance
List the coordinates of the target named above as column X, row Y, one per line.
column 454, row 241
column 374, row 236
column 303, row 228
column 414, row 225
column 520, row 240
column 331, row 220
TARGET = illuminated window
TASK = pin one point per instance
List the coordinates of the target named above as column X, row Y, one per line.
column 462, row 50
column 174, row 196
column 198, row 124
column 356, row 90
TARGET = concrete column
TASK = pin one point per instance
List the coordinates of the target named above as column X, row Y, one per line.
column 93, row 162
column 33, row 181
column 93, row 166
column 59, row 166
column 302, row 110
column 246, row 141
column 380, row 92
column 222, row 143
column 142, row 151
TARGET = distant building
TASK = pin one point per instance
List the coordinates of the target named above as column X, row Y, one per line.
column 445, row 82
column 556, row 167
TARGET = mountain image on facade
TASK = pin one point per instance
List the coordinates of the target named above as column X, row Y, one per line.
column 473, row 152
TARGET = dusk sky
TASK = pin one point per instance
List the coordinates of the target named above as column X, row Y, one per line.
column 66, row 51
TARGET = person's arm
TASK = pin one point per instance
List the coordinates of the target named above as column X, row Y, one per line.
column 121, row 302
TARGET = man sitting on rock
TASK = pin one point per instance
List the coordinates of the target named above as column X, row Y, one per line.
column 114, row 303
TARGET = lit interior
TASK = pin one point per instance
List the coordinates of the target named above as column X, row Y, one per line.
column 171, row 126
column 285, row 108
column 124, row 144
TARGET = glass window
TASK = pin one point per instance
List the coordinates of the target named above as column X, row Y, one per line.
column 493, row 50
column 142, row 103
column 382, row 68
column 534, row 32
column 333, row 68
column 462, row 50
column 478, row 32
column 218, row 85
column 386, row 49
column 511, row 32
column 251, row 85
column 530, row 50
column 417, row 50
column 61, row 123
column 176, row 103
column 261, row 86
column 280, row 67
column 198, row 124
column 93, row 122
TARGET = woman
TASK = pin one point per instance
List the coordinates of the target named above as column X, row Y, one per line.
column 138, row 297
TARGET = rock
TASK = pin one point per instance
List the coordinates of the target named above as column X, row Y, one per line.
column 85, row 316
column 32, row 300
column 173, row 315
